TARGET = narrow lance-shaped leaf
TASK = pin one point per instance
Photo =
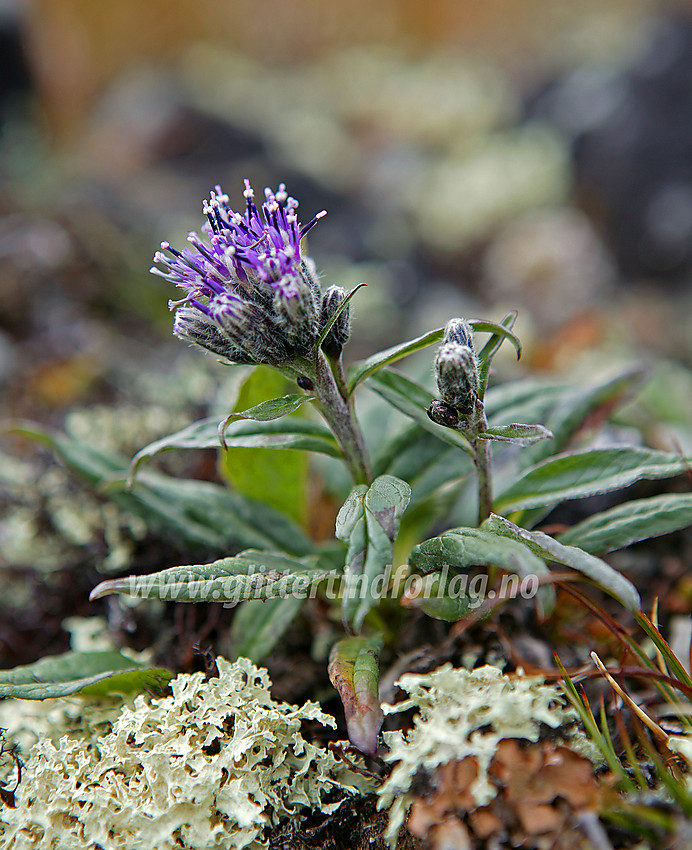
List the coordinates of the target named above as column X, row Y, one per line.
column 94, row 673
column 529, row 400
column 258, row 626
column 463, row 548
column 354, row 672
column 631, row 522
column 265, row 411
column 412, row 400
column 368, row 523
column 578, row 474
column 576, row 405
column 490, row 349
column 360, row 371
column 249, row 575
column 291, row 434
column 550, row 550
column 522, row 435
column 198, row 512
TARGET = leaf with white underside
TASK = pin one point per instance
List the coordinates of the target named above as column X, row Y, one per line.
column 368, row 524
column 88, row 673
column 550, row 549
column 575, row 475
column 354, row 672
column 522, row 435
column 631, row 522
column 464, row 548
column 249, row 575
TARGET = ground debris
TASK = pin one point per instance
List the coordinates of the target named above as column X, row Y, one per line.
column 542, row 790
column 356, row 825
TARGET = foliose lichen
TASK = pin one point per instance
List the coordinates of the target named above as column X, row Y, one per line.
column 212, row 765
column 463, row 713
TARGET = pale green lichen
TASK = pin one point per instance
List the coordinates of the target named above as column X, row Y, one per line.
column 213, row 765
column 463, row 713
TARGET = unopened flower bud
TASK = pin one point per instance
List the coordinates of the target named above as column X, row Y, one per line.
column 340, row 331
column 459, row 331
column 296, row 313
column 456, row 370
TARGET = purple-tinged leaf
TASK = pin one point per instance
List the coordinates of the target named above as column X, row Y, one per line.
column 354, row 672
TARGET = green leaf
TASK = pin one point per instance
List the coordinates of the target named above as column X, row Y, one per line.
column 360, row 371
column 335, row 315
column 249, row 575
column 500, row 332
column 204, row 434
column 416, row 456
column 258, row 626
column 354, row 672
column 368, row 523
column 550, row 550
column 412, row 400
column 277, row 478
column 523, row 435
column 463, row 548
column 213, row 516
column 576, row 405
column 522, row 401
column 586, row 473
column 265, row 411
column 94, row 673
column 439, row 598
column 631, row 522
column 198, row 513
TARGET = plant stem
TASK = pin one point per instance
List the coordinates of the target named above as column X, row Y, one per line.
column 482, row 459
column 340, row 416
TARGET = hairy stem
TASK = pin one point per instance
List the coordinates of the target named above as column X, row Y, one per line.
column 482, row 459
column 340, row 416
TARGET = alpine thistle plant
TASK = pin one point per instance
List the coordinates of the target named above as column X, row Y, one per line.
column 252, row 297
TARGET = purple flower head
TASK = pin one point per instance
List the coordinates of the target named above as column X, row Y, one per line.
column 249, row 294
